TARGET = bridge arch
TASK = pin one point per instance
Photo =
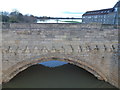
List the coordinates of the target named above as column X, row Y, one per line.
column 20, row 66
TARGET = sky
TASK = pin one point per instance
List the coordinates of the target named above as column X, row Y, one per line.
column 55, row 8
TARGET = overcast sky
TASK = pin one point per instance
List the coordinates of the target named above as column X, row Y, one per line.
column 55, row 8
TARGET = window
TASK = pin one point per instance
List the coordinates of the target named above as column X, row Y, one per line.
column 83, row 17
column 95, row 16
column 116, row 9
column 104, row 16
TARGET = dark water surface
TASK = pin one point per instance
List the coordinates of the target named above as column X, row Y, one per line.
column 65, row 76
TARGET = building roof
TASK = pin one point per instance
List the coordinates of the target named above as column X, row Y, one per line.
column 117, row 4
column 99, row 12
column 102, row 11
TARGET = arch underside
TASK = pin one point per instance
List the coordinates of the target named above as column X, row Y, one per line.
column 20, row 66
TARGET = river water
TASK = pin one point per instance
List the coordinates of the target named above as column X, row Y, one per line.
column 60, row 21
column 64, row 76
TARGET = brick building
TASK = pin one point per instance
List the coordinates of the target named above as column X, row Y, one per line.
column 104, row 16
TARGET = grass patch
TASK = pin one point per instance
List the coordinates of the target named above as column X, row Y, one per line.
column 71, row 21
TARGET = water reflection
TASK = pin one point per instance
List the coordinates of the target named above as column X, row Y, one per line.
column 65, row 76
column 53, row 63
column 60, row 21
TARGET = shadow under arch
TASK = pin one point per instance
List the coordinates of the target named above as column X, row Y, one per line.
column 20, row 66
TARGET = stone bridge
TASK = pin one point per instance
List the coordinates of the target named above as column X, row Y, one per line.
column 93, row 47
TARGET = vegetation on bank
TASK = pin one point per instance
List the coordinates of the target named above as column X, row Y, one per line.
column 16, row 17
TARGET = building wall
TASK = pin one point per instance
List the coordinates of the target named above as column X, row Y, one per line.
column 103, row 19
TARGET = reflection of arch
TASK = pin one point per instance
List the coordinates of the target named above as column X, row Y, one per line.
column 14, row 70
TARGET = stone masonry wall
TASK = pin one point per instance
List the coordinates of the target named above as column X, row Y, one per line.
column 94, row 45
